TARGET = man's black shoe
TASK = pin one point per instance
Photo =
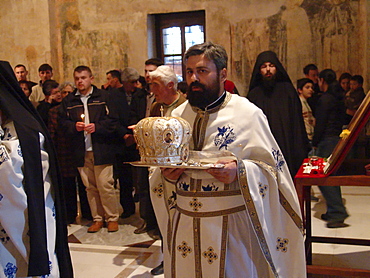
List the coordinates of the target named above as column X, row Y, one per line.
column 127, row 214
column 155, row 234
column 324, row 216
column 314, row 198
column 142, row 229
column 336, row 224
column 157, row 270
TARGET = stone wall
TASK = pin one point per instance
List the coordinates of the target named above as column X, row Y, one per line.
column 25, row 33
column 113, row 34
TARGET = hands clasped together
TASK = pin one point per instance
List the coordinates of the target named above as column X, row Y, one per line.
column 88, row 128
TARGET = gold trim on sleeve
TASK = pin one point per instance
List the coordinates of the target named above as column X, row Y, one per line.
column 295, row 217
column 254, row 216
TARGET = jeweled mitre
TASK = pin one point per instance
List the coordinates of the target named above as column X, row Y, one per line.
column 163, row 140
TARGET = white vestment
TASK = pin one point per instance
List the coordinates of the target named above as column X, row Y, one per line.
column 14, row 238
column 250, row 228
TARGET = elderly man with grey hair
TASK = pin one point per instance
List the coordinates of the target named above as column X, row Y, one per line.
column 163, row 83
column 129, row 77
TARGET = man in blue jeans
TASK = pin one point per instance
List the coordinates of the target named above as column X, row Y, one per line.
column 330, row 118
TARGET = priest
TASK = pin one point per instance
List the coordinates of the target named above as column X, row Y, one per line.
column 272, row 91
column 33, row 229
column 242, row 220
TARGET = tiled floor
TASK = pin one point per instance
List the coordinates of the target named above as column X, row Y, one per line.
column 357, row 200
column 124, row 254
column 121, row 254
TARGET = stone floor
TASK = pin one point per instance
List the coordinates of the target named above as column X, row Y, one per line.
column 124, row 254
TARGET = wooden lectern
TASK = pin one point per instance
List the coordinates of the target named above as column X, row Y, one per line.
column 347, row 173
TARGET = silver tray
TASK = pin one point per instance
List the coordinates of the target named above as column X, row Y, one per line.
column 201, row 166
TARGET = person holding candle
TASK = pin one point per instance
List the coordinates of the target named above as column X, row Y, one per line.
column 89, row 121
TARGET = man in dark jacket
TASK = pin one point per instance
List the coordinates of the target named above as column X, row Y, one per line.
column 272, row 91
column 140, row 108
column 53, row 97
column 126, row 149
column 88, row 120
column 330, row 118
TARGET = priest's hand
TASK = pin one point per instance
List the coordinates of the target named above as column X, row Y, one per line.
column 172, row 174
column 227, row 174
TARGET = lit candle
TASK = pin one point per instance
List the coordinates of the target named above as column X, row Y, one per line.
column 83, row 117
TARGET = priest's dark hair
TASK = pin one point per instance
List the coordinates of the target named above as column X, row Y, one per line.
column 211, row 51
column 264, row 57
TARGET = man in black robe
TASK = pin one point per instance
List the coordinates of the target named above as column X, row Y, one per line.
column 272, row 91
column 15, row 106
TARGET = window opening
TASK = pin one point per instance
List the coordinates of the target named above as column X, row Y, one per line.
column 176, row 32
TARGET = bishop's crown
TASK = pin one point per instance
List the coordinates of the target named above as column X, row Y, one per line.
column 163, row 140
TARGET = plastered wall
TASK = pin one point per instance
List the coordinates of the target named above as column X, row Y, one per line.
column 114, row 34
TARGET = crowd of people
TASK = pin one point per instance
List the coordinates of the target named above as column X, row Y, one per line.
column 91, row 130
column 328, row 106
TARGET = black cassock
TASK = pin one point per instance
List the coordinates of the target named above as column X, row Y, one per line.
column 282, row 107
column 28, row 125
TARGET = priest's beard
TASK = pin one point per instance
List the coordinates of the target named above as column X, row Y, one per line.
column 268, row 83
column 205, row 95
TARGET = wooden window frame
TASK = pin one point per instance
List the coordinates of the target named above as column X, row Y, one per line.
column 182, row 20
